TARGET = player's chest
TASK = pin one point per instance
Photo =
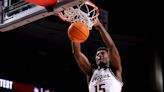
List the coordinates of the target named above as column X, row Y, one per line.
column 100, row 76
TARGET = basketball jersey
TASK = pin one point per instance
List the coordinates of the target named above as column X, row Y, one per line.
column 103, row 80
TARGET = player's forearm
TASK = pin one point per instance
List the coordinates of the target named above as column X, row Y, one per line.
column 81, row 59
column 76, row 48
column 105, row 36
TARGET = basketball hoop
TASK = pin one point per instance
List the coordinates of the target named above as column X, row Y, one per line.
column 85, row 12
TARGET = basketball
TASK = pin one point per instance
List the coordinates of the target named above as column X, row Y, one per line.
column 78, row 32
column 42, row 2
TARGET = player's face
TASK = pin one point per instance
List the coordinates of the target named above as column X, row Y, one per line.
column 102, row 57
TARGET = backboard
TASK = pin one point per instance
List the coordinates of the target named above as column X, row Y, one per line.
column 21, row 13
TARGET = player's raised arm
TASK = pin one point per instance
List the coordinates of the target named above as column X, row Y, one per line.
column 81, row 59
column 115, row 60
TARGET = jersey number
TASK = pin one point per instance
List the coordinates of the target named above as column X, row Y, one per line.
column 100, row 87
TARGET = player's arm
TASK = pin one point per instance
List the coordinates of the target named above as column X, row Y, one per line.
column 113, row 52
column 81, row 59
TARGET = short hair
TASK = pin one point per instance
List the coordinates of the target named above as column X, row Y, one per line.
column 102, row 48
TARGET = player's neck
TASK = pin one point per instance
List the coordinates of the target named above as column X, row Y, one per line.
column 103, row 67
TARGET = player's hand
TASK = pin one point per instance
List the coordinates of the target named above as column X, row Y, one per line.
column 97, row 22
column 98, row 25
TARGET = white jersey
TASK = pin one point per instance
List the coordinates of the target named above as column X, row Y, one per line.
column 104, row 80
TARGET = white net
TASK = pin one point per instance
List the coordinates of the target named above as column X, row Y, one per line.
column 86, row 13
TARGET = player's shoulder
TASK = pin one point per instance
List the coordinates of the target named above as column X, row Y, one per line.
column 93, row 67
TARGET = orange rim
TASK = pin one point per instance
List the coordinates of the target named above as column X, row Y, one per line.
column 60, row 15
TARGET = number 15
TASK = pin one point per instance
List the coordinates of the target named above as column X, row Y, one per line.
column 100, row 87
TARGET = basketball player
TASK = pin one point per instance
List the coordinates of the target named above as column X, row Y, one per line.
column 102, row 78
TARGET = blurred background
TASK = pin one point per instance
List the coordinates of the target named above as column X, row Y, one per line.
column 39, row 53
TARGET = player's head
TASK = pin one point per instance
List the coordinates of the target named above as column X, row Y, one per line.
column 102, row 57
